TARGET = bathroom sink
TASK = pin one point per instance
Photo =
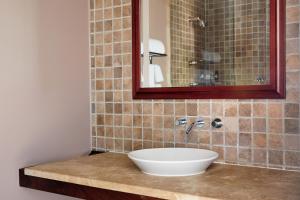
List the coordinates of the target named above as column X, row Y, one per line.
column 173, row 161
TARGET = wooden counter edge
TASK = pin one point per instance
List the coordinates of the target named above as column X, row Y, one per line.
column 75, row 190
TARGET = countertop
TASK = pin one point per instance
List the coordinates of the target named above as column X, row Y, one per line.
column 116, row 172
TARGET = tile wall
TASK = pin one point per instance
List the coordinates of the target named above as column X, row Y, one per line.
column 256, row 133
column 187, row 38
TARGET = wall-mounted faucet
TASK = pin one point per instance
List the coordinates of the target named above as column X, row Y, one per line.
column 197, row 20
column 183, row 121
column 198, row 123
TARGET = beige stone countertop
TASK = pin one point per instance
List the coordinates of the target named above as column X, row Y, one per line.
column 116, row 172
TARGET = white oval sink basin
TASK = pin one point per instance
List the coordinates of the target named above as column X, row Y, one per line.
column 173, row 161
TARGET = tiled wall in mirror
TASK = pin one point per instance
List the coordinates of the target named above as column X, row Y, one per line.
column 204, row 43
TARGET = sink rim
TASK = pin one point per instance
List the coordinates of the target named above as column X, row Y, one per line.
column 214, row 157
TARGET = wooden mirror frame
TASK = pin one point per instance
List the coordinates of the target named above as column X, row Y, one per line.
column 275, row 90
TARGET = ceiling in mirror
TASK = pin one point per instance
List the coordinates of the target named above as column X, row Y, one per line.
column 200, row 43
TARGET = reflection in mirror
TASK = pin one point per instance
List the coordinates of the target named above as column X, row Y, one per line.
column 204, row 43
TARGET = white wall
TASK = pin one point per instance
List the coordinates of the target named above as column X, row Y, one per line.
column 44, row 103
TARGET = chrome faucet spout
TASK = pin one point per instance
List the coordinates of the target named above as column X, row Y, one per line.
column 190, row 128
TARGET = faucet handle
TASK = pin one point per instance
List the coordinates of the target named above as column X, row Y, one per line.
column 217, row 123
column 200, row 122
column 181, row 121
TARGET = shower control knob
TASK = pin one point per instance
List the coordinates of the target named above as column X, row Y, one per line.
column 217, row 123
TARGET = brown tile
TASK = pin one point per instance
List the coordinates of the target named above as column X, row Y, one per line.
column 117, row 24
column 127, row 145
column 275, row 110
column 292, row 14
column 100, row 142
column 169, row 122
column 108, row 13
column 192, row 109
column 259, row 125
column 217, row 138
column 275, row 157
column 180, row 109
column 293, row 95
column 292, row 46
column 100, row 131
column 259, row 110
column 99, row 26
column 137, row 133
column 259, row 140
column 204, row 137
column 168, row 135
column 119, row 145
column 245, row 139
column 109, row 108
column 292, row 126
column 109, row 130
column 259, row 156
column 117, row 12
column 126, row 11
column 276, row 141
column 137, row 108
column 292, row 79
column 128, row 133
column 231, row 154
column 109, row 96
column 292, row 110
column 204, row 109
column 109, row 144
column 158, row 135
column 292, row 142
column 137, row 145
column 230, row 109
column 275, row 126
column 147, row 144
column 245, row 155
column 108, row 3
column 245, row 125
column 99, row 85
column 245, row 110
column 292, row 158
column 147, row 134
column 127, row 108
column 293, row 62
column 231, row 138
column 118, row 120
column 127, row 120
column 158, row 108
column 168, row 109
column 157, row 122
column 220, row 151
column 292, row 2
column 231, row 124
column 116, row 2
column 147, row 121
column 217, row 109
column 158, row 145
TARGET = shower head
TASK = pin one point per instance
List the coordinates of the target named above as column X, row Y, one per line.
column 197, row 20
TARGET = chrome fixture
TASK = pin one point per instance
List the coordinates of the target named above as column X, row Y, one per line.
column 260, row 79
column 199, row 123
column 195, row 62
column 217, row 123
column 198, row 20
column 181, row 121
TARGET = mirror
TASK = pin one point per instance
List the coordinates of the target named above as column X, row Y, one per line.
column 208, row 49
